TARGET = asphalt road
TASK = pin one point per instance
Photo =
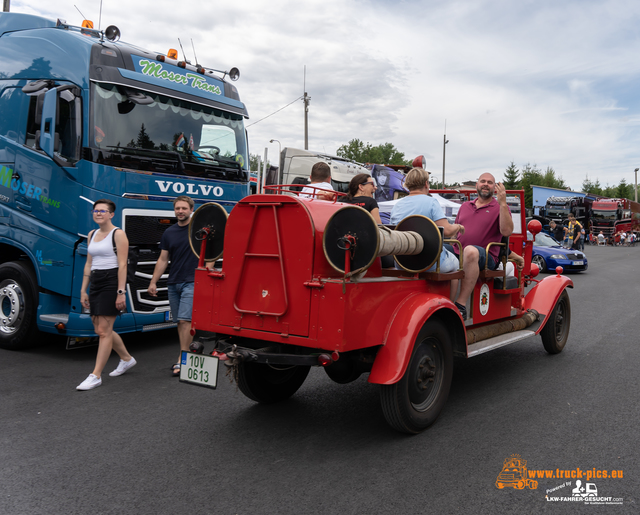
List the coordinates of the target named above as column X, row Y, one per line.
column 143, row 443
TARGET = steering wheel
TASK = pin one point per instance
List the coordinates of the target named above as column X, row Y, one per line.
column 202, row 147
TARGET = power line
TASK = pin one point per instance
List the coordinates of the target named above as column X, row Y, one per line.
column 258, row 121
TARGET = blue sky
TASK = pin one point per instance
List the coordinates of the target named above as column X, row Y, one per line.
column 541, row 82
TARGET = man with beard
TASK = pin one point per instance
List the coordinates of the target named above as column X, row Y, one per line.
column 486, row 220
column 174, row 245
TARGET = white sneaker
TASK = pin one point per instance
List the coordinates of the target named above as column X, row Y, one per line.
column 89, row 383
column 123, row 366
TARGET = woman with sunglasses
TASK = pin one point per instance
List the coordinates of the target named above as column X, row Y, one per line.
column 361, row 190
column 106, row 273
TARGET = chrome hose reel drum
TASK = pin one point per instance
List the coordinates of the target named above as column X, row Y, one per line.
column 352, row 241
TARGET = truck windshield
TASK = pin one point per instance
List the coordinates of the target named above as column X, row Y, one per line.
column 558, row 210
column 603, row 214
column 125, row 118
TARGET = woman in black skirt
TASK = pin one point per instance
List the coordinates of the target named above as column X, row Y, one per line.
column 106, row 274
column 361, row 190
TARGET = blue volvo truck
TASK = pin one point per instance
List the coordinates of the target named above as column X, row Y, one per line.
column 84, row 116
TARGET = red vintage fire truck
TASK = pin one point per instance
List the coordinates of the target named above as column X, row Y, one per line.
column 302, row 285
column 612, row 215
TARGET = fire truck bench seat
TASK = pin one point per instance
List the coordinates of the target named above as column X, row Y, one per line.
column 512, row 283
column 434, row 276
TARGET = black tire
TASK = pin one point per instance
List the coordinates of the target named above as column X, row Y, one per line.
column 414, row 403
column 539, row 260
column 556, row 331
column 18, row 306
column 267, row 383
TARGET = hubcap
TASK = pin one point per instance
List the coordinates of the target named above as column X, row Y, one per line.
column 427, row 371
column 11, row 306
column 560, row 326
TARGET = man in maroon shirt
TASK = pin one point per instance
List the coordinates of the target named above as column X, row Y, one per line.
column 485, row 220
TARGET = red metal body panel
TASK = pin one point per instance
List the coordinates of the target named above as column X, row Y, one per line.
column 545, row 294
column 403, row 327
column 341, row 316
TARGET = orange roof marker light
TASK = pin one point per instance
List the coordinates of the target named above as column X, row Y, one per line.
column 172, row 53
column 87, row 24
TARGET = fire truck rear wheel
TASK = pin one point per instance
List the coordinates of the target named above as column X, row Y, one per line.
column 414, row 403
column 268, row 384
column 556, row 331
column 18, row 306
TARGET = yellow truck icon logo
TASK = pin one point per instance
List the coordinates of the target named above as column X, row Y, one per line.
column 514, row 474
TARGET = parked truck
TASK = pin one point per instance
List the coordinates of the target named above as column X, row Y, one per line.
column 612, row 215
column 84, row 116
column 295, row 168
column 558, row 209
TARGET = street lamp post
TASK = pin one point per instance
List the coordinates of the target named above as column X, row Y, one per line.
column 279, row 146
column 444, row 152
column 636, row 183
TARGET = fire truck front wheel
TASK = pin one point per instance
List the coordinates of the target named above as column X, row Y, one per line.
column 18, row 306
column 267, row 383
column 413, row 403
column 556, row 331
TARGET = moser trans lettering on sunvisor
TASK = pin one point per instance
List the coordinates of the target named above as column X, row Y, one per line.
column 190, row 188
column 195, row 80
column 24, row 188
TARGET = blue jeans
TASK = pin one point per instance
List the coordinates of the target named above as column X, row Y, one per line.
column 180, row 300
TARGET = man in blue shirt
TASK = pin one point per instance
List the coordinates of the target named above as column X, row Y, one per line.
column 174, row 245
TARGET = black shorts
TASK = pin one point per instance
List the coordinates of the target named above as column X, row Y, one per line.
column 103, row 291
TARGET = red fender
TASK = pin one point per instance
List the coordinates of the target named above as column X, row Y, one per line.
column 403, row 328
column 545, row 294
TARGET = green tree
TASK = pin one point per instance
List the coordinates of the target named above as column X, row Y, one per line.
column 531, row 175
column 385, row 153
column 624, row 190
column 511, row 177
column 254, row 159
column 551, row 181
column 609, row 191
column 588, row 186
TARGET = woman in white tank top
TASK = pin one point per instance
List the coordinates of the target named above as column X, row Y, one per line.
column 106, row 272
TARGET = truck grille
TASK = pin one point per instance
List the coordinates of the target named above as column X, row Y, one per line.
column 145, row 232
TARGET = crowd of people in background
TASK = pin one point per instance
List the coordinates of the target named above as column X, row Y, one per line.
column 618, row 239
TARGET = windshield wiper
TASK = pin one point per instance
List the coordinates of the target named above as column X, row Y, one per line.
column 148, row 151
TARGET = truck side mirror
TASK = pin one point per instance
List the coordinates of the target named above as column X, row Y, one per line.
column 48, row 122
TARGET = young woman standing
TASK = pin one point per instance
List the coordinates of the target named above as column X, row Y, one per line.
column 106, row 273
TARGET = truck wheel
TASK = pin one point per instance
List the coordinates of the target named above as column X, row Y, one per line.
column 269, row 384
column 18, row 306
column 542, row 264
column 556, row 331
column 413, row 403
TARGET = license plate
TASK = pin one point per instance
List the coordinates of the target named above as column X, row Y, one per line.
column 199, row 369
column 167, row 316
column 578, row 263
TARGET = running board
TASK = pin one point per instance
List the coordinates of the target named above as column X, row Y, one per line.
column 498, row 341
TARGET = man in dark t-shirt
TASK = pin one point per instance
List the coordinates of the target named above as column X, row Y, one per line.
column 174, row 245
